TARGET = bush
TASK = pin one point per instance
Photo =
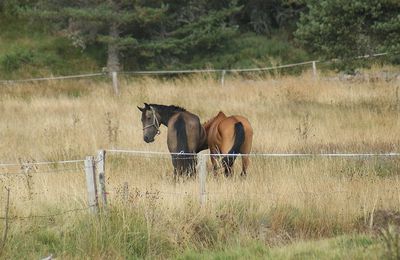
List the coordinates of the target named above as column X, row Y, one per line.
column 16, row 58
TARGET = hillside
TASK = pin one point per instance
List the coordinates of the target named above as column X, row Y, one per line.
column 29, row 51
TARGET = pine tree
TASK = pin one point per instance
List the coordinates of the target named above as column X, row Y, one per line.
column 346, row 29
column 90, row 21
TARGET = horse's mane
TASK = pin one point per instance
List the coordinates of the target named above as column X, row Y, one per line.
column 169, row 108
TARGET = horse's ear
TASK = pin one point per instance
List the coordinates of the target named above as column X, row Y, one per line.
column 146, row 105
column 141, row 109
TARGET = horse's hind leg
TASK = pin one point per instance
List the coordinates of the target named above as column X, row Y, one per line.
column 245, row 149
column 227, row 162
column 176, row 170
column 245, row 165
column 214, row 163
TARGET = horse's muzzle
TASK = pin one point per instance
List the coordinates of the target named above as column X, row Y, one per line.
column 148, row 139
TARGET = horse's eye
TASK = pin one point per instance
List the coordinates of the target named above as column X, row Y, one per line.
column 148, row 118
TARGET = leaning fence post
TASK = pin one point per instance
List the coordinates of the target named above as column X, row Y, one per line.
column 101, row 171
column 314, row 68
column 114, row 77
column 202, row 179
column 91, row 184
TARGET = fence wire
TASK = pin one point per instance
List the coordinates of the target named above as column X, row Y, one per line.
column 308, row 175
column 194, row 71
column 47, row 216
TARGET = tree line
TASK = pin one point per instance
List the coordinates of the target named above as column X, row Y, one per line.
column 174, row 33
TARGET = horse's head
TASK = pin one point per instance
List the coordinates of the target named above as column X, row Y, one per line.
column 150, row 121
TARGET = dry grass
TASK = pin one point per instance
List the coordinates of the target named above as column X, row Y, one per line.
column 282, row 199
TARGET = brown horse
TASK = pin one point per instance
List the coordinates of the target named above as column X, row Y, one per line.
column 229, row 135
column 185, row 134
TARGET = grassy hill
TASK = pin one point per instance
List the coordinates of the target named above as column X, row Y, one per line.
column 26, row 52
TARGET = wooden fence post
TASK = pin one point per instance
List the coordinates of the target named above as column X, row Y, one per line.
column 5, row 230
column 101, row 171
column 114, row 77
column 202, row 179
column 314, row 68
column 91, row 184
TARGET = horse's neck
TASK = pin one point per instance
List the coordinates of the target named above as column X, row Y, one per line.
column 218, row 118
column 165, row 115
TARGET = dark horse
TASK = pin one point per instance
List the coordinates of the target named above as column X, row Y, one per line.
column 229, row 136
column 185, row 134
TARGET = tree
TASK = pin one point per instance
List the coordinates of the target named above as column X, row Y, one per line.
column 90, row 21
column 189, row 28
column 152, row 32
column 346, row 29
column 265, row 16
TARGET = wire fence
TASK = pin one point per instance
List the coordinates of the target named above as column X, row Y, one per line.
column 31, row 183
column 62, row 213
column 167, row 154
column 261, row 163
column 191, row 71
column 352, row 166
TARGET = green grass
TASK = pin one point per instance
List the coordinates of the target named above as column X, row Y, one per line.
column 122, row 235
column 342, row 247
column 26, row 51
column 145, row 231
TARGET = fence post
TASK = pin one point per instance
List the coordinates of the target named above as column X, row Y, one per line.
column 5, row 230
column 91, row 184
column 202, row 179
column 223, row 78
column 101, row 171
column 114, row 77
column 314, row 68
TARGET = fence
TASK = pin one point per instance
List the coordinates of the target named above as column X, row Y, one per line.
column 95, row 175
column 222, row 72
column 26, row 173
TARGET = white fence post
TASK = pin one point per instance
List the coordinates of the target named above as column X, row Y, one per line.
column 314, row 68
column 101, row 171
column 114, row 76
column 91, row 184
column 202, row 179
column 223, row 78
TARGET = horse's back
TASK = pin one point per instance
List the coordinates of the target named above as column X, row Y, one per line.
column 185, row 132
column 227, row 125
column 227, row 132
column 246, row 124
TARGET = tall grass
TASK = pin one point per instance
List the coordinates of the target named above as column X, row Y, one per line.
column 283, row 200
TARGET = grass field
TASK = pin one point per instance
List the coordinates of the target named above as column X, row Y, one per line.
column 299, row 208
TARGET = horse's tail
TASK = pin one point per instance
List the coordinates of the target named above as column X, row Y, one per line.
column 181, row 136
column 185, row 163
column 239, row 140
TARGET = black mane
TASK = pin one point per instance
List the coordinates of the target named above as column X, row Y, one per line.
column 166, row 112
column 170, row 108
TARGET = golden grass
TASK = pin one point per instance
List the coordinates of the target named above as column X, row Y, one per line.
column 72, row 119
